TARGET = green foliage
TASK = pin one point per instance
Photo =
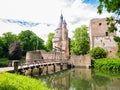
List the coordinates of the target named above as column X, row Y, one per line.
column 107, row 64
column 30, row 41
column 111, row 6
column 80, row 42
column 49, row 45
column 16, row 82
column 7, row 39
column 98, row 52
column 1, row 47
column 117, row 39
column 4, row 62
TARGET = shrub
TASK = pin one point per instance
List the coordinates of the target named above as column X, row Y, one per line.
column 98, row 52
column 107, row 64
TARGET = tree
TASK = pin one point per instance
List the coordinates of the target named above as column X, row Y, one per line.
column 80, row 41
column 114, row 7
column 111, row 6
column 7, row 39
column 1, row 47
column 98, row 52
column 30, row 41
column 15, row 51
column 49, row 44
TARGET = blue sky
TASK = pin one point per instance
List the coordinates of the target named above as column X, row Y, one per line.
column 42, row 16
column 93, row 2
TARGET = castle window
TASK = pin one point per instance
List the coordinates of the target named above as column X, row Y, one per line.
column 100, row 24
column 106, row 33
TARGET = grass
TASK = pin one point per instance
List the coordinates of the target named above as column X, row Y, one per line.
column 10, row 81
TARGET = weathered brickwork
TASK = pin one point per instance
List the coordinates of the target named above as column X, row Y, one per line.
column 99, row 36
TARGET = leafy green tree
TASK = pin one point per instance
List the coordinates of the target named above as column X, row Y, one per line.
column 1, row 47
column 98, row 52
column 111, row 6
column 117, row 39
column 80, row 42
column 30, row 41
column 7, row 39
column 49, row 44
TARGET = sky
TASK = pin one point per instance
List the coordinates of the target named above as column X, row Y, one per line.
column 42, row 16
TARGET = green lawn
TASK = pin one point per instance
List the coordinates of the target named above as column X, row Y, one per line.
column 10, row 81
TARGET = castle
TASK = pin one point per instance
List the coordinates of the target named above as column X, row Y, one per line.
column 61, row 39
column 99, row 36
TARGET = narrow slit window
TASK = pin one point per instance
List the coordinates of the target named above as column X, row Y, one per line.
column 106, row 33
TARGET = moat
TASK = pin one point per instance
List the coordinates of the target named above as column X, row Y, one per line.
column 81, row 79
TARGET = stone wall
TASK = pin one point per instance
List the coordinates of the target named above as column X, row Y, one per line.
column 99, row 36
column 80, row 60
column 33, row 56
column 44, row 56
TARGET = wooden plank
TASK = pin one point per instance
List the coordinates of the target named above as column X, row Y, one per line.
column 6, row 69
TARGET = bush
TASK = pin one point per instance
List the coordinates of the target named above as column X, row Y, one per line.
column 107, row 64
column 98, row 52
column 18, row 82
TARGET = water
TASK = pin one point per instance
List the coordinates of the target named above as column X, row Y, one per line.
column 82, row 79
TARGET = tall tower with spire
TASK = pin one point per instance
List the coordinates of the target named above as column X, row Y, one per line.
column 61, row 39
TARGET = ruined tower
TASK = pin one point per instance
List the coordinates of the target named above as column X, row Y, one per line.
column 61, row 39
column 99, row 36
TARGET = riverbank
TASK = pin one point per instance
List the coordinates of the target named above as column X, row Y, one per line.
column 10, row 81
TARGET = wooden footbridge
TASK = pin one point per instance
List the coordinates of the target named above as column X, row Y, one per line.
column 22, row 66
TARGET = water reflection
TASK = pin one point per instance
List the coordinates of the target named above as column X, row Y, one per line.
column 82, row 79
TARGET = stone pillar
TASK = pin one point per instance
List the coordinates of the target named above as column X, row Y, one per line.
column 15, row 64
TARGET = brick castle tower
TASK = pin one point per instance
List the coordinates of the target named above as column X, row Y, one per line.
column 61, row 39
column 99, row 36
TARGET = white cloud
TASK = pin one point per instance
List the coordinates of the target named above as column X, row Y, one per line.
column 75, row 12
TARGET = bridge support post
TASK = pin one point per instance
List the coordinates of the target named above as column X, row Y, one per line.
column 61, row 66
column 46, row 69
column 32, row 71
column 40, row 71
column 15, row 64
column 54, row 68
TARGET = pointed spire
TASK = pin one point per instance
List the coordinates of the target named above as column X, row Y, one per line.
column 61, row 21
column 64, row 21
column 61, row 17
